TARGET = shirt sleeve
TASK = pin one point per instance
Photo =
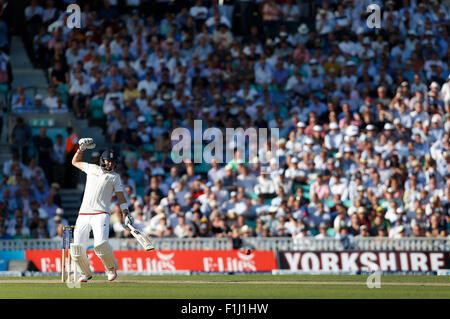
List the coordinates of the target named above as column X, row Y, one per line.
column 88, row 168
column 118, row 186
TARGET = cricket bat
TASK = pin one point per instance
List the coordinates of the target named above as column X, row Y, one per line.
column 141, row 238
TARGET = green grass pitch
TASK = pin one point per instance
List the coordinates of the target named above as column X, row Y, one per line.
column 228, row 287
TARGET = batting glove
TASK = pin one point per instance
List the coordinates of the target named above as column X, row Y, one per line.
column 86, row 144
column 128, row 220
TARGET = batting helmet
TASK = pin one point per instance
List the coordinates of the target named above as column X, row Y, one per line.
column 110, row 156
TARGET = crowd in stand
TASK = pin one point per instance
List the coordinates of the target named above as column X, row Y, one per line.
column 29, row 206
column 30, row 203
column 363, row 114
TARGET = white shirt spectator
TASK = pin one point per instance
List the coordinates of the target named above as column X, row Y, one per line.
column 297, row 84
column 347, row 47
column 383, row 76
column 404, row 52
column 316, row 218
column 240, row 207
column 419, row 87
column 340, row 188
column 263, row 75
column 248, row 182
column 80, row 88
column 58, row 153
column 315, row 83
column 342, row 19
column 51, row 101
column 73, row 56
column 429, row 63
column 223, row 20
column 364, row 51
column 108, row 105
column 149, row 86
column 180, row 231
column 221, row 195
column 33, row 11
column 265, row 186
column 198, row 12
column 351, row 79
column 333, row 140
column 445, row 91
column 244, row 94
column 214, row 174
column 324, row 21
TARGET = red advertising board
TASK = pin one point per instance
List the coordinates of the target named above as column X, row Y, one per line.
column 363, row 261
column 166, row 260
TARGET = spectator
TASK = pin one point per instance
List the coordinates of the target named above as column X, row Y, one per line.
column 44, row 146
column 61, row 107
column 436, row 227
column 54, row 191
column 79, row 91
column 59, row 75
column 50, row 207
column 320, row 188
column 136, row 174
column 263, row 72
column 59, row 233
column 41, row 191
column 56, row 222
column 33, row 17
column 57, row 160
column 21, row 138
column 51, row 101
column 222, row 35
column 40, row 232
column 19, row 233
column 33, row 222
column 17, row 228
column 265, row 187
column 271, row 16
column 4, row 234
column 199, row 13
column 6, row 76
column 71, row 146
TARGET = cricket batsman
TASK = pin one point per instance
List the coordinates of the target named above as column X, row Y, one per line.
column 101, row 184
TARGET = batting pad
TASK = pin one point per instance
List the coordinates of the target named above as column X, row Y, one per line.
column 105, row 253
column 78, row 254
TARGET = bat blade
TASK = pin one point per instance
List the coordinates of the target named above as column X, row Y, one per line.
column 142, row 239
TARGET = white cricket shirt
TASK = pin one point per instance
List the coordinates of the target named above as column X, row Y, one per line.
column 100, row 188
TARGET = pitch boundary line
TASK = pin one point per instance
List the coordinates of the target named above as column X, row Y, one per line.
column 199, row 282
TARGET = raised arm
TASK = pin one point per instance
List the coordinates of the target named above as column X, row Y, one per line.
column 76, row 160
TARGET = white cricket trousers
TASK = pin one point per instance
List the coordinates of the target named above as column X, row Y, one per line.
column 97, row 222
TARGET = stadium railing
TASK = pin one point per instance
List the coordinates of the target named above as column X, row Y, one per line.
column 357, row 244
column 175, row 243
column 272, row 243
column 125, row 244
